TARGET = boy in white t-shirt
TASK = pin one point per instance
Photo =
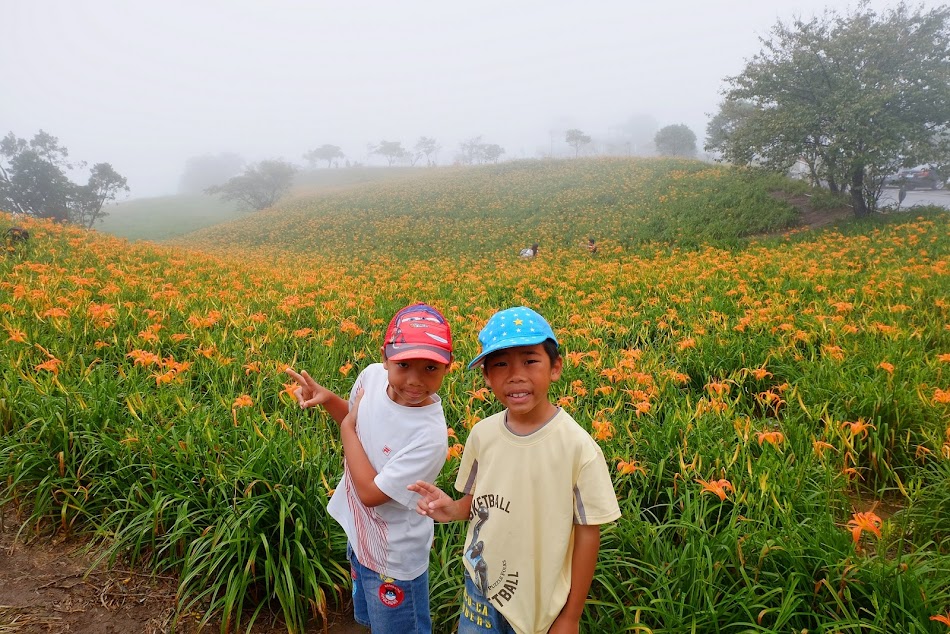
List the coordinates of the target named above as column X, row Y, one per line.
column 534, row 486
column 393, row 433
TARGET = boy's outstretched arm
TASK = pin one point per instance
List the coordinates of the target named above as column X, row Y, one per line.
column 439, row 506
column 310, row 394
column 583, row 563
column 362, row 473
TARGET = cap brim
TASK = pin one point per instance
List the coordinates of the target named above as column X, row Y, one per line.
column 404, row 353
column 512, row 342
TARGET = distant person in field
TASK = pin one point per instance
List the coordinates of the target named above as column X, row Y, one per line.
column 591, row 246
column 393, row 433
column 534, row 487
column 530, row 252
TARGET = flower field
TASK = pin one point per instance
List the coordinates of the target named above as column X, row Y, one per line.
column 776, row 411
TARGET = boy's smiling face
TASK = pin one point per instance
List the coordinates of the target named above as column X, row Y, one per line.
column 412, row 382
column 520, row 377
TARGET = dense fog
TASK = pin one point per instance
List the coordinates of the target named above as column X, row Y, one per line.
column 147, row 87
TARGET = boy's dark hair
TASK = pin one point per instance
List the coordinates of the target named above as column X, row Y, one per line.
column 549, row 346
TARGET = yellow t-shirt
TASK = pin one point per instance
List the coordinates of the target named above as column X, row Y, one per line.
column 529, row 492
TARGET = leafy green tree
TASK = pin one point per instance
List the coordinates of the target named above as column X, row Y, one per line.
column 576, row 139
column 392, row 150
column 675, row 140
column 259, row 187
column 490, row 152
column 429, row 148
column 855, row 96
column 326, row 153
column 34, row 181
column 104, row 185
column 473, row 151
column 469, row 150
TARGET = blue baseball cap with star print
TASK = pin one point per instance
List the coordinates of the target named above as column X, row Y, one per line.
column 518, row 326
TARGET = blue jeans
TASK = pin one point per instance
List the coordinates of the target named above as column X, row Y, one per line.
column 387, row 605
column 478, row 614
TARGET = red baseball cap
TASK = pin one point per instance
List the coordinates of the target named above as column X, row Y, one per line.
column 418, row 331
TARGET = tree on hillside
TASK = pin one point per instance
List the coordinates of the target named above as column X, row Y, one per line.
column 34, row 181
column 104, row 185
column 634, row 136
column 855, row 96
column 469, row 150
column 675, row 140
column 429, row 148
column 576, row 139
column 725, row 123
column 490, row 152
column 391, row 150
column 325, row 152
column 473, row 151
column 259, row 187
column 207, row 170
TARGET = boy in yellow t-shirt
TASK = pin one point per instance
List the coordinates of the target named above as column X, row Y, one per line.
column 534, row 486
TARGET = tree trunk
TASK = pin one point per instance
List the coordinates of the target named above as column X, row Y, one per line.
column 857, row 193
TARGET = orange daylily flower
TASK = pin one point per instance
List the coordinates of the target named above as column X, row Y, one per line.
column 350, row 328
column 718, row 388
column 887, row 367
column 686, row 344
column 858, row 427
column 773, row 437
column 55, row 312
column 820, row 446
column 760, row 373
column 867, row 521
column 144, row 358
column 17, row 336
column 941, row 396
column 253, row 366
column 603, row 430
column 480, row 394
column 290, row 388
column 242, row 401
column 455, row 451
column 624, row 467
column 50, row 365
column 942, row 618
column 345, row 368
column 716, row 487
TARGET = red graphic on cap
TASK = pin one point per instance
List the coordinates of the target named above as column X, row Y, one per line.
column 391, row 595
column 418, row 331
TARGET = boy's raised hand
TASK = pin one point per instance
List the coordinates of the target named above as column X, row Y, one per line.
column 433, row 502
column 310, row 393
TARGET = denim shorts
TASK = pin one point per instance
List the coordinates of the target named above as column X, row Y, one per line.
column 478, row 613
column 387, row 605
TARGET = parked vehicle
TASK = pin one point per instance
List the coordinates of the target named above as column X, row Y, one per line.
column 922, row 176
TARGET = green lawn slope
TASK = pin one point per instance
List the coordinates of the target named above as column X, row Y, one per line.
column 501, row 208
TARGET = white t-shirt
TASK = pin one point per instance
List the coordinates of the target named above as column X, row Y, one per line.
column 529, row 493
column 404, row 444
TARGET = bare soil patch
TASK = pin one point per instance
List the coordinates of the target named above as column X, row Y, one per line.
column 49, row 585
column 812, row 218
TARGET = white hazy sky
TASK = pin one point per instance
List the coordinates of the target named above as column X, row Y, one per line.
column 145, row 85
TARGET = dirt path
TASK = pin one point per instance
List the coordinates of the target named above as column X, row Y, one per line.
column 46, row 586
